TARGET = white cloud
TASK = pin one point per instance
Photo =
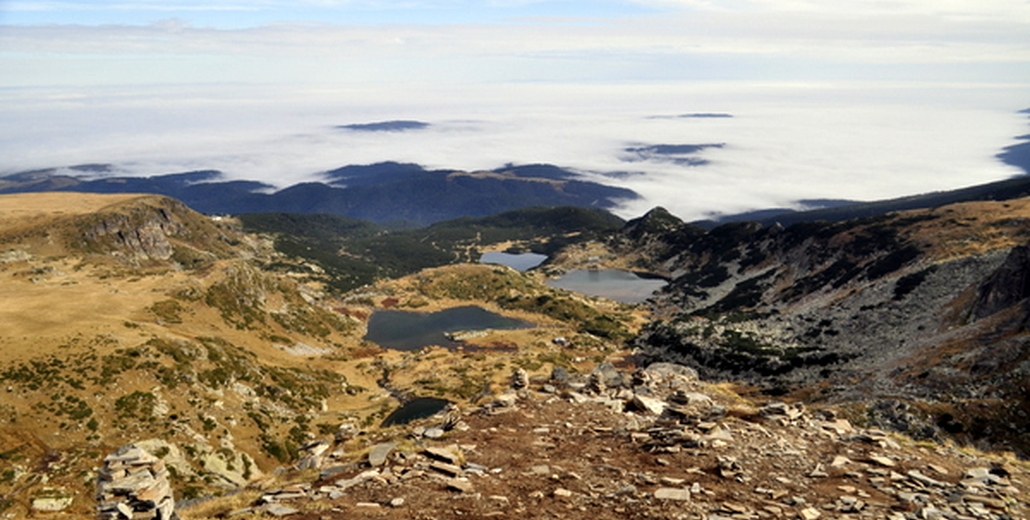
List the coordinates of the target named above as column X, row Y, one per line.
column 784, row 143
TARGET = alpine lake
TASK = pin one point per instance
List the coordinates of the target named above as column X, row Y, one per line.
column 614, row 284
column 411, row 330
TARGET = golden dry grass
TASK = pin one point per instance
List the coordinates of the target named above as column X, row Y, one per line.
column 972, row 228
column 21, row 205
column 24, row 212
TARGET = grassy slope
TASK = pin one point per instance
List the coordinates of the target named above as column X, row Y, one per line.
column 222, row 355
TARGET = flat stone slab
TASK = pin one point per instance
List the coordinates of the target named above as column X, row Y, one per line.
column 377, row 457
column 462, row 486
column 447, row 469
column 649, row 404
column 882, row 461
column 279, row 510
column 442, row 454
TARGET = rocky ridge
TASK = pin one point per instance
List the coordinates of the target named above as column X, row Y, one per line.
column 652, row 443
column 925, row 306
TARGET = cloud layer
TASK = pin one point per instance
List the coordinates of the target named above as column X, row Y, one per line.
column 862, row 99
column 784, row 142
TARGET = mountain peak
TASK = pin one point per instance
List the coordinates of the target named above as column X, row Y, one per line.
column 656, row 221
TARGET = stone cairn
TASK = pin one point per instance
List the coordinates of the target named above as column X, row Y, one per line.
column 133, row 485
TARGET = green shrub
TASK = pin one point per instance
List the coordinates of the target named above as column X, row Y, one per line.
column 137, row 404
column 168, row 311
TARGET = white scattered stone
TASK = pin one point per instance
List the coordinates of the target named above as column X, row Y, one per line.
column 672, row 494
column 52, row 504
column 840, row 461
column 810, row 513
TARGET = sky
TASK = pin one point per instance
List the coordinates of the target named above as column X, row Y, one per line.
column 845, row 99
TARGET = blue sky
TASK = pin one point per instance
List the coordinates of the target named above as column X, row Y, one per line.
column 857, row 99
column 239, row 14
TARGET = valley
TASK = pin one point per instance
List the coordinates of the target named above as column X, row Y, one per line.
column 233, row 349
column 134, row 319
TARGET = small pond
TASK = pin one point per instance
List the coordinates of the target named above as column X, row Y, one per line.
column 614, row 284
column 418, row 408
column 406, row 330
column 521, row 261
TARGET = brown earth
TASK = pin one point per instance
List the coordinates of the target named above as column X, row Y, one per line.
column 549, row 456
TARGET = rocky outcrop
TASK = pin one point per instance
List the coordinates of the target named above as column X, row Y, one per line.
column 1006, row 286
column 133, row 485
column 918, row 306
column 562, row 444
column 151, row 228
column 142, row 231
column 148, row 239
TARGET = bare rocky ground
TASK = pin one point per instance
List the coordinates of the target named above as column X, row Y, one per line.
column 657, row 443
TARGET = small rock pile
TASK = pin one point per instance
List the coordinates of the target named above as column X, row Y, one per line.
column 133, row 485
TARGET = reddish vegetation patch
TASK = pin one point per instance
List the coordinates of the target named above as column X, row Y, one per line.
column 365, row 352
column 493, row 346
column 353, row 313
column 390, row 302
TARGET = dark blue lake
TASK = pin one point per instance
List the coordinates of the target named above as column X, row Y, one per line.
column 418, row 408
column 614, row 284
column 406, row 330
column 521, row 261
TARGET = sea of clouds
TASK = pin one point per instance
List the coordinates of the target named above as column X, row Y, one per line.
column 784, row 142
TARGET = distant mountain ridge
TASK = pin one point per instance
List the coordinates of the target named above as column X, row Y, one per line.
column 842, row 210
column 387, row 192
column 406, row 194
column 1017, row 155
column 386, row 126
